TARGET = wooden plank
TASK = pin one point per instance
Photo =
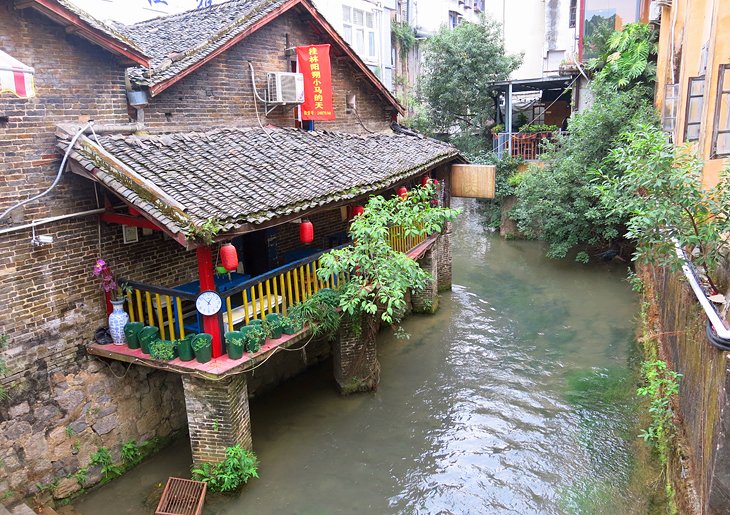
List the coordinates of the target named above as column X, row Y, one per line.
column 473, row 181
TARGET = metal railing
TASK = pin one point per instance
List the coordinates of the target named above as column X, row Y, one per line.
column 525, row 145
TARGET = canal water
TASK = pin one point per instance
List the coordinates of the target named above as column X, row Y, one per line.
column 516, row 397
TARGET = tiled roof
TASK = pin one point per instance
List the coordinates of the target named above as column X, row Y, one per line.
column 112, row 32
column 247, row 176
column 178, row 41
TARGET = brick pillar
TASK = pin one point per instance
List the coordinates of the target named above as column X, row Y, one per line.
column 355, row 355
column 218, row 416
column 427, row 300
column 443, row 245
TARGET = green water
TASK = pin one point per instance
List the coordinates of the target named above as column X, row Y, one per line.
column 517, row 397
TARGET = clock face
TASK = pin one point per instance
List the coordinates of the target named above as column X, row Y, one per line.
column 208, row 303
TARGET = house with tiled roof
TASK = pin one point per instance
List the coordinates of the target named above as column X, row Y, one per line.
column 152, row 146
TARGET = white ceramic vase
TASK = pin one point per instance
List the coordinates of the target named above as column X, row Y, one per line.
column 118, row 318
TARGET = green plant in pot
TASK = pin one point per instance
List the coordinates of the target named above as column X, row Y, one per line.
column 185, row 348
column 146, row 336
column 164, row 350
column 289, row 325
column 203, row 347
column 273, row 324
column 254, row 337
column 234, row 344
column 131, row 332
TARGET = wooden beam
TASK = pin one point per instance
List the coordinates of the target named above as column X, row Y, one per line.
column 134, row 221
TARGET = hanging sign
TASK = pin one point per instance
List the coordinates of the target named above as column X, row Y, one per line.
column 314, row 64
column 15, row 77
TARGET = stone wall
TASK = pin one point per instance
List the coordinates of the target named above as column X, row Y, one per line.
column 702, row 461
column 66, row 417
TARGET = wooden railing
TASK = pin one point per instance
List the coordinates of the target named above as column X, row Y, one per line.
column 164, row 308
column 400, row 242
column 528, row 146
column 273, row 292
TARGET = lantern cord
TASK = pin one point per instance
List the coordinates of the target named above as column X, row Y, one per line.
column 257, row 98
column 361, row 122
column 58, row 175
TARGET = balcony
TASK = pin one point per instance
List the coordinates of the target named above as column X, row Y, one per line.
column 245, row 299
column 525, row 145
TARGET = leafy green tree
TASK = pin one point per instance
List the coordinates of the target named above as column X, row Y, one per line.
column 460, row 66
column 658, row 188
column 561, row 203
column 379, row 276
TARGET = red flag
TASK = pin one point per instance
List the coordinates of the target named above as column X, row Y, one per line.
column 314, row 64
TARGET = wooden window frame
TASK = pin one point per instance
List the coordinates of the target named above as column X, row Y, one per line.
column 690, row 96
column 716, row 131
column 573, row 16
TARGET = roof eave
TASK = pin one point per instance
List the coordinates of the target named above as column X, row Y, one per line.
column 74, row 24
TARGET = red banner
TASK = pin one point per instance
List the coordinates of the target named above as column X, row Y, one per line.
column 314, row 64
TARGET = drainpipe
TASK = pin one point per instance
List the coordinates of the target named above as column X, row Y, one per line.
column 508, row 123
column 717, row 329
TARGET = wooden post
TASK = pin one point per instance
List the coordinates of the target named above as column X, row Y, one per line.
column 211, row 324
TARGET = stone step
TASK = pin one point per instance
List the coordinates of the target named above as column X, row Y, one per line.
column 4, row 510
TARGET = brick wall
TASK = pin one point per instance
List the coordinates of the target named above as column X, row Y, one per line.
column 218, row 416
column 220, row 92
column 426, row 300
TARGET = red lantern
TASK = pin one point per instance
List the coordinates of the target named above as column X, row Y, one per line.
column 435, row 182
column 403, row 192
column 306, row 232
column 357, row 211
column 229, row 257
column 424, row 180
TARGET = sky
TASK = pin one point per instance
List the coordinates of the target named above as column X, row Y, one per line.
column 132, row 11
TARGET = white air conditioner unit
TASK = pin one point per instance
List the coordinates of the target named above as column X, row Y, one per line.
column 285, row 88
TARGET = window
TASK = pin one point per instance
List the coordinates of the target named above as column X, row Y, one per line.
column 721, row 125
column 358, row 29
column 454, row 19
column 669, row 113
column 695, row 98
column 573, row 13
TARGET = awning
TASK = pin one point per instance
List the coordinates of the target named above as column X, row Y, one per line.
column 15, row 77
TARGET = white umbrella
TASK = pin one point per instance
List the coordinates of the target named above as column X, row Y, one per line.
column 15, row 77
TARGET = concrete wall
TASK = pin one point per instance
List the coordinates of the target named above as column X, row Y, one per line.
column 693, row 42
column 701, row 463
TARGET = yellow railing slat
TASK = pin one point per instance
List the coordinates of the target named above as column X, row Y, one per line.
column 296, row 285
column 245, row 306
column 170, row 321
column 261, row 302
column 180, row 317
column 160, row 322
column 229, row 311
column 150, row 316
column 140, row 310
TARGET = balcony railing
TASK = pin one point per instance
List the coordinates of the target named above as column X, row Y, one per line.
column 528, row 146
column 172, row 310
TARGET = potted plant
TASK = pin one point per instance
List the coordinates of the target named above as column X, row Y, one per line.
column 118, row 318
column 254, row 337
column 202, row 345
column 131, row 332
column 289, row 325
column 234, row 344
column 164, row 350
column 146, row 336
column 273, row 324
column 185, row 348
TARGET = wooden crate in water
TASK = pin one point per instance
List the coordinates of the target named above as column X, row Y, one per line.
column 182, row 497
column 473, row 181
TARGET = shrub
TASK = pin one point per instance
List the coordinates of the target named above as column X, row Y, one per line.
column 318, row 312
column 239, row 466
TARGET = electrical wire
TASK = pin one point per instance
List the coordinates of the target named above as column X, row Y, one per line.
column 357, row 114
column 58, row 175
column 257, row 98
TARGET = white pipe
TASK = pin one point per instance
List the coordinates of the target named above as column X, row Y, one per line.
column 718, row 324
column 58, row 175
column 44, row 221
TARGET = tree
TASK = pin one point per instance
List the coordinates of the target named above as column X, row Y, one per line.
column 460, row 66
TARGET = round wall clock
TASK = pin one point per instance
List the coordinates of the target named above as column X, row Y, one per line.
column 208, row 303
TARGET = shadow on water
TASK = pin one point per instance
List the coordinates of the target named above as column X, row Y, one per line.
column 516, row 397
